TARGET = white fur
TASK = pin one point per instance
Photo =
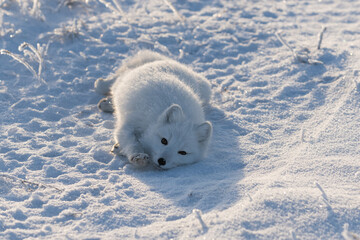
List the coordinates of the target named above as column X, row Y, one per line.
column 154, row 98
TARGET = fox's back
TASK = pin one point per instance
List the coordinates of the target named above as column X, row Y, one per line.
column 145, row 92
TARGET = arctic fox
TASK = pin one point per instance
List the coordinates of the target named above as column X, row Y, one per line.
column 158, row 104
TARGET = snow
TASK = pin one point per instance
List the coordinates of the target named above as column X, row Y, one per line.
column 284, row 159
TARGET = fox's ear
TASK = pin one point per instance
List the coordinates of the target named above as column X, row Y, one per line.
column 204, row 131
column 172, row 114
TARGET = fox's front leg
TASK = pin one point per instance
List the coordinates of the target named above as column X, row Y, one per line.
column 130, row 146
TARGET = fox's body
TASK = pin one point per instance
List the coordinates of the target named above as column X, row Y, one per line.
column 158, row 105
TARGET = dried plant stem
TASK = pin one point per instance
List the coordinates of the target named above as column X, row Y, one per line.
column 20, row 60
column 24, row 62
column 37, row 54
column 34, row 7
column 30, row 186
column 321, row 37
column 301, row 56
column 285, row 43
column 181, row 17
column 111, row 7
column 117, row 5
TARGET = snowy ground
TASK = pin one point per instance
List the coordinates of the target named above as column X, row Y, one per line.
column 284, row 162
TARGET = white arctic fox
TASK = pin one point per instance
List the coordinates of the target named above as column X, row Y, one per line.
column 158, row 105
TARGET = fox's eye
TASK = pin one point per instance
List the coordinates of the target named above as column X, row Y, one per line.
column 182, row 152
column 164, row 141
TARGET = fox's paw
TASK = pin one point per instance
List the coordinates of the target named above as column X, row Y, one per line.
column 139, row 159
column 105, row 105
column 116, row 149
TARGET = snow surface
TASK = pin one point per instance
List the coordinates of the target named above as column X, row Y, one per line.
column 284, row 162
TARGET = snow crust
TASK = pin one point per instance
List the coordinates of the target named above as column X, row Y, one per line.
column 284, row 162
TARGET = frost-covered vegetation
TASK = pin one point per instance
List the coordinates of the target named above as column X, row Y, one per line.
column 284, row 159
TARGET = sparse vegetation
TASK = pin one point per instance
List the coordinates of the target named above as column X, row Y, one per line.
column 34, row 55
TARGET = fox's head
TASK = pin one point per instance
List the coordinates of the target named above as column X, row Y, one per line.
column 174, row 140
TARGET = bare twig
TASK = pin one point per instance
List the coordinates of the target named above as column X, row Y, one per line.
column 36, row 53
column 284, row 43
column 30, row 186
column 321, row 37
column 171, row 6
column 36, row 11
column 34, row 7
column 65, row 32
column 20, row 60
column 302, row 55
column 118, row 7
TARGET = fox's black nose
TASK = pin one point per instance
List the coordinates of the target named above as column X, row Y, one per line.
column 161, row 161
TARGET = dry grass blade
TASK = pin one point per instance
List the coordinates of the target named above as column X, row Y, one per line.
column 117, row 5
column 302, row 55
column 20, row 60
column 37, row 54
column 28, row 185
column 24, row 62
column 181, row 17
column 110, row 6
column 321, row 37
